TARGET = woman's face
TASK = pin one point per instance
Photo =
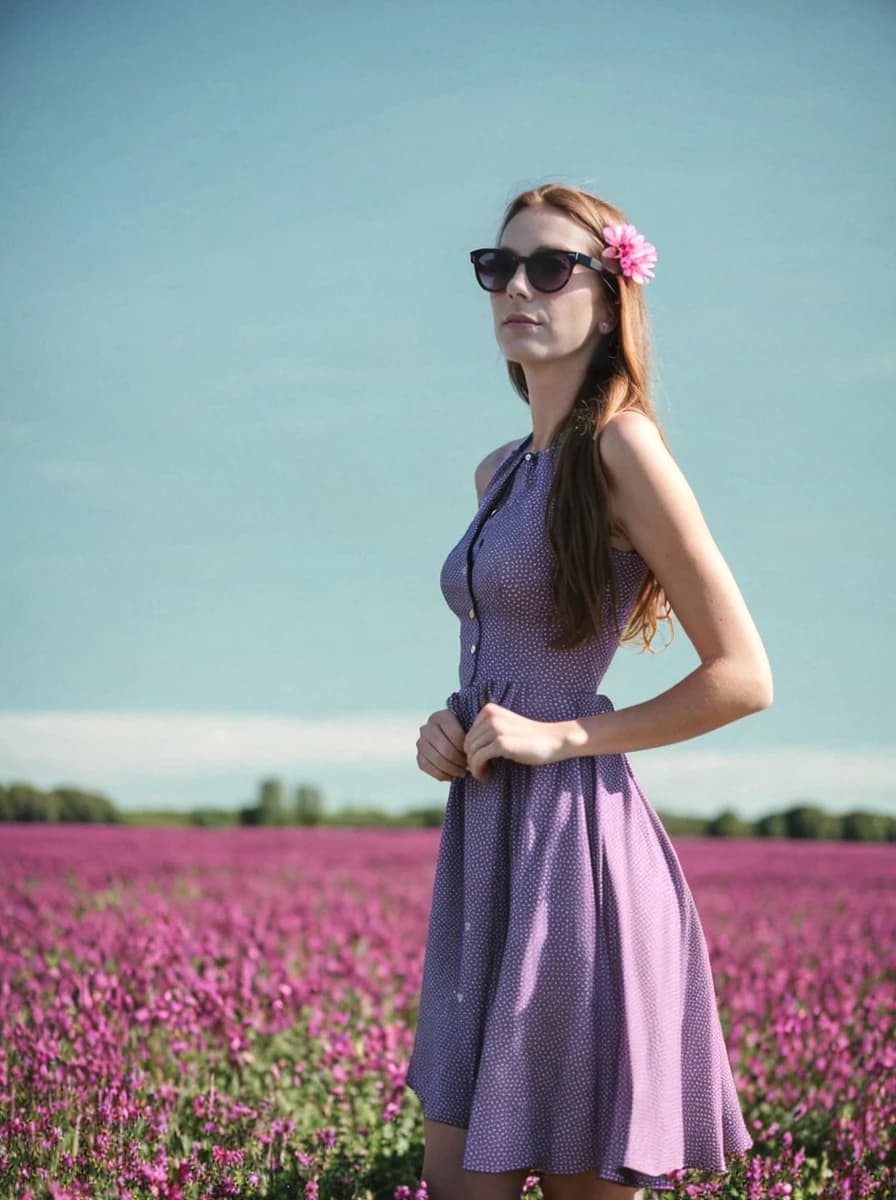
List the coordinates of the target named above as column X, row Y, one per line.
column 568, row 321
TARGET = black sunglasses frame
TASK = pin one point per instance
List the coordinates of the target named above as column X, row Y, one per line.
column 571, row 256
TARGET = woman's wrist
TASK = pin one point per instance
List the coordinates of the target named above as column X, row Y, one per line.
column 573, row 739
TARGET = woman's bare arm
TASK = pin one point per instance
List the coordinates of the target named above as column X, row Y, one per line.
column 654, row 503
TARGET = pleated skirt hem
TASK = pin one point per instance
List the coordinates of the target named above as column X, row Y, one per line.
column 627, row 1174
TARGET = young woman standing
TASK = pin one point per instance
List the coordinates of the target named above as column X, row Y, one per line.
column 568, row 1023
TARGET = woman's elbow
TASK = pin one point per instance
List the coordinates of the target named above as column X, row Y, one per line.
column 760, row 692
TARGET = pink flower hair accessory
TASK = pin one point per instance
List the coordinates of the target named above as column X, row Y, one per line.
column 627, row 253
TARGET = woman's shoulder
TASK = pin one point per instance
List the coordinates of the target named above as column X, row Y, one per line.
column 626, row 431
column 486, row 469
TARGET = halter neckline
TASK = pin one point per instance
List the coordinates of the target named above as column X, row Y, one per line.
column 527, row 441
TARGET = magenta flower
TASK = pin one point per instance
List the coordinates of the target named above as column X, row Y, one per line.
column 627, row 253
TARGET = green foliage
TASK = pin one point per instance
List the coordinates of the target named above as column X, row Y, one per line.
column 308, row 805
column 22, row 801
column 728, row 824
column 675, row 823
column 427, row 818
column 773, row 825
column 867, row 827
column 360, row 817
column 151, row 817
column 270, row 803
column 211, row 818
column 810, row 821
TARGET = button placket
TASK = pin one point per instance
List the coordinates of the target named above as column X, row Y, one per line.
column 467, row 570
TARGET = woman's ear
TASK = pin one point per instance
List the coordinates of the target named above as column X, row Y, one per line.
column 607, row 319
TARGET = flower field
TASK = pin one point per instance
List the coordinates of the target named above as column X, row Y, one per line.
column 208, row 1013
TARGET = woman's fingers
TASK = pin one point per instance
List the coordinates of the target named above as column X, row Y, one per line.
column 440, row 750
column 452, row 730
column 435, row 765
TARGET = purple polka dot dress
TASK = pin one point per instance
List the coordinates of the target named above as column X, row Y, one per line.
column 567, row 1017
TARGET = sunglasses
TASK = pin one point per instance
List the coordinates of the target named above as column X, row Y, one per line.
column 547, row 270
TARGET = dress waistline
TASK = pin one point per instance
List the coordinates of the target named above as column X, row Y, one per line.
column 539, row 699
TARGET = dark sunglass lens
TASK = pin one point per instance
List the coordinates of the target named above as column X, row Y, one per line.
column 548, row 271
column 493, row 269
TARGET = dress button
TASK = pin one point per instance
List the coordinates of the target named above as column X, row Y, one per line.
column 472, row 612
column 473, row 648
column 466, row 924
column 528, row 456
column 460, row 996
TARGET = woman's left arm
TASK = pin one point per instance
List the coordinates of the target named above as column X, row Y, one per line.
column 653, row 502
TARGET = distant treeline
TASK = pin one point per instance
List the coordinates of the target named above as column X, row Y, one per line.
column 305, row 806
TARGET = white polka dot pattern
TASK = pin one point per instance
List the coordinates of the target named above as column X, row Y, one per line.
column 568, row 1015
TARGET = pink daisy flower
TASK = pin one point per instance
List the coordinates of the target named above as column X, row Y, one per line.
column 627, row 253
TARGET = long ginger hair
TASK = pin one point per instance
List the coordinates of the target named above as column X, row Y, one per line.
column 617, row 378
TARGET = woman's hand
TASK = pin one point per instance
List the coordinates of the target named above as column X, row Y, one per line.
column 501, row 733
column 440, row 746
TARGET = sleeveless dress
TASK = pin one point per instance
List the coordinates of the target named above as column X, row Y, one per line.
column 567, row 1016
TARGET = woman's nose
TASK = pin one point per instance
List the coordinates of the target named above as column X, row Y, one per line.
column 518, row 277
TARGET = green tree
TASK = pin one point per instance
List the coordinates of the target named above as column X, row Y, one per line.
column 811, row 821
column 865, row 827
column 727, row 824
column 270, row 803
column 24, row 802
column 75, row 804
column 772, row 825
column 308, row 804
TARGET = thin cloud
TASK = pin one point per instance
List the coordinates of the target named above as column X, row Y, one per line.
column 95, row 747
column 88, row 744
column 72, row 471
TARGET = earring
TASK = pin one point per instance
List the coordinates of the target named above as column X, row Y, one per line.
column 604, row 326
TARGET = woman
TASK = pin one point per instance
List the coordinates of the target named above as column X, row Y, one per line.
column 568, row 1024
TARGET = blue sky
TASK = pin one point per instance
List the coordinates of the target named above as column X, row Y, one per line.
column 247, row 372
